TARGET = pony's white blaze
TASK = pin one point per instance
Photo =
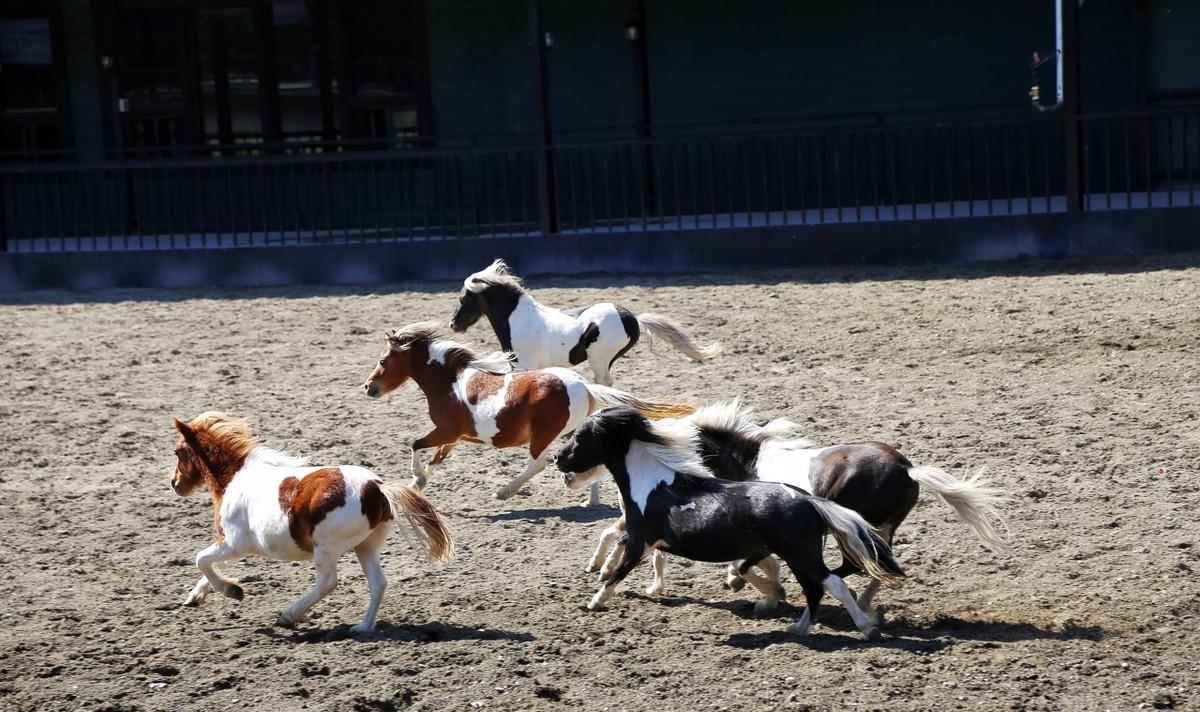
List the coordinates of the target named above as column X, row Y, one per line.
column 782, row 461
column 646, row 473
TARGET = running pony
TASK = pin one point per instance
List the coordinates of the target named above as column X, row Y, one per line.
column 871, row 478
column 673, row 504
column 268, row 503
column 483, row 401
column 542, row 337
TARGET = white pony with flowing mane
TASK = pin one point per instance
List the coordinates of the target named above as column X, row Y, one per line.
column 542, row 337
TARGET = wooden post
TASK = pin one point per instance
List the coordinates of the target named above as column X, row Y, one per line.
column 543, row 155
column 641, row 72
column 1072, row 104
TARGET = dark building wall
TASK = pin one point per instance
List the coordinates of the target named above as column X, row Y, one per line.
column 1109, row 55
column 83, row 77
column 480, row 68
column 907, row 59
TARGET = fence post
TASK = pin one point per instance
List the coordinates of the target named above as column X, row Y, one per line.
column 543, row 156
column 1073, row 166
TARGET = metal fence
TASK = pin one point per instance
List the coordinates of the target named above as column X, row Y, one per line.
column 345, row 193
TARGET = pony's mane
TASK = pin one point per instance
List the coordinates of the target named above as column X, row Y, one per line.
column 277, row 458
column 447, row 351
column 497, row 274
column 219, row 431
column 674, row 443
column 729, row 419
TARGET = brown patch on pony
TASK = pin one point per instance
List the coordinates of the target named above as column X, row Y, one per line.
column 306, row 501
column 536, row 408
column 375, row 505
column 483, row 385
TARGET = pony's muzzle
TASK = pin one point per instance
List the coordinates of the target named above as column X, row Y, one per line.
column 372, row 389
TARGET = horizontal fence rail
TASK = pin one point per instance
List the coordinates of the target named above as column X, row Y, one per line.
column 748, row 181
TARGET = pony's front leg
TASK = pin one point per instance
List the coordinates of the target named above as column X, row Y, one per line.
column 658, row 560
column 634, row 551
column 443, row 441
column 610, row 564
column 206, row 561
column 607, row 537
column 326, row 581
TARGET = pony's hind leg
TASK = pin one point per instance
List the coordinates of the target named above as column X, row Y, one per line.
column 812, row 600
column 614, row 558
column 658, row 560
column 535, row 465
column 600, row 368
column 368, row 557
column 837, row 588
column 326, row 564
column 768, row 585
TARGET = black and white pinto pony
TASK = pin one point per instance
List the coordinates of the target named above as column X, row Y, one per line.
column 543, row 337
column 871, row 478
column 673, row 504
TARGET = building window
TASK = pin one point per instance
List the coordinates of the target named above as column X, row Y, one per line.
column 31, row 111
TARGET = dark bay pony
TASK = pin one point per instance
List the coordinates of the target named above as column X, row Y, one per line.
column 484, row 401
column 871, row 478
column 268, row 503
column 673, row 504
column 542, row 337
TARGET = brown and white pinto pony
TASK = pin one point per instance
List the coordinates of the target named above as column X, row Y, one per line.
column 484, row 401
column 268, row 503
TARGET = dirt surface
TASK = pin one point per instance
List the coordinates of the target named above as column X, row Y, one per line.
column 1076, row 384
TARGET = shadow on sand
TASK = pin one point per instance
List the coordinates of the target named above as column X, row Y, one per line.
column 577, row 513
column 808, row 275
column 836, row 630
column 405, row 632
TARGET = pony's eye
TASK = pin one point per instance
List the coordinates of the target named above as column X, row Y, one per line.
column 380, row 362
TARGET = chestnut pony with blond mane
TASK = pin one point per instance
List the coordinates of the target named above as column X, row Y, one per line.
column 484, row 401
column 268, row 503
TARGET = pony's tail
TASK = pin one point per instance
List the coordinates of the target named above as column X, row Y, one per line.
column 427, row 525
column 668, row 330
column 859, row 542
column 604, row 396
column 973, row 501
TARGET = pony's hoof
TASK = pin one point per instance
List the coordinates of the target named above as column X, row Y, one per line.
column 872, row 633
column 765, row 606
column 361, row 628
column 595, row 604
column 417, row 484
column 735, row 583
column 193, row 600
column 592, row 567
column 286, row 621
column 798, row 628
column 654, row 589
column 235, row 592
column 503, row 493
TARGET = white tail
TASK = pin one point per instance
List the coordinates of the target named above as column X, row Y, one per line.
column 409, row 505
column 973, row 501
column 604, row 396
column 666, row 329
column 859, row 542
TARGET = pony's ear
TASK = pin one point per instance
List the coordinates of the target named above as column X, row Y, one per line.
column 189, row 435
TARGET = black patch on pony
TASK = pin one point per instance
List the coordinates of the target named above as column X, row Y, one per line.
column 632, row 329
column 578, row 353
column 499, row 302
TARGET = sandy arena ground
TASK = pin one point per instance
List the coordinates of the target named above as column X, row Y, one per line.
column 1076, row 384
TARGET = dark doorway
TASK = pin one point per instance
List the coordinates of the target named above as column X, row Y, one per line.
column 32, row 82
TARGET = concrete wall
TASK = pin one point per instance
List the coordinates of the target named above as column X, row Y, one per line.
column 1054, row 236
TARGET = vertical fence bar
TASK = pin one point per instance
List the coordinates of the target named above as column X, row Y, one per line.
column 1107, row 165
column 1170, row 159
column 800, row 141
